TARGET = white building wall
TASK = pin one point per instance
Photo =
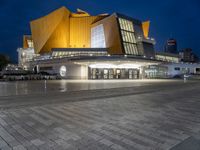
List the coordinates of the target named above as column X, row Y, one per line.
column 24, row 56
column 181, row 69
column 73, row 71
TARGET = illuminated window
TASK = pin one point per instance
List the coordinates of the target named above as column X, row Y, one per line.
column 30, row 43
column 98, row 37
column 128, row 37
column 130, row 48
column 126, row 25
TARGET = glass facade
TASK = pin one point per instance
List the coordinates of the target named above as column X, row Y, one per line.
column 155, row 72
column 167, row 58
column 113, row 73
column 98, row 37
column 78, row 53
column 126, row 25
column 130, row 48
column 128, row 37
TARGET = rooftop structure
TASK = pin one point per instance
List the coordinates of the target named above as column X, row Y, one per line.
column 171, row 46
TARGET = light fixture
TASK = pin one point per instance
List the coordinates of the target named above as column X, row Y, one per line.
column 126, row 66
column 63, row 71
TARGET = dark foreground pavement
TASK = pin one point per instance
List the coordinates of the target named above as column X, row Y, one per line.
column 158, row 116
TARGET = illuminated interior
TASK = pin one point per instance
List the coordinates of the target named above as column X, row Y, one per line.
column 98, row 37
column 78, row 52
column 128, row 37
column 114, row 71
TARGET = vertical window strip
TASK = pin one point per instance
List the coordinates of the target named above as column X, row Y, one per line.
column 128, row 37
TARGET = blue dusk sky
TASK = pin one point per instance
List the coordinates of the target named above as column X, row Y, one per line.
column 179, row 19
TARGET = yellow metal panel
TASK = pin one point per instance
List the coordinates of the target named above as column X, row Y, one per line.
column 62, row 29
column 80, row 31
column 145, row 27
column 49, row 29
column 59, row 38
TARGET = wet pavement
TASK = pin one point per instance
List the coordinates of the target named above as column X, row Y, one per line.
column 137, row 115
column 48, row 86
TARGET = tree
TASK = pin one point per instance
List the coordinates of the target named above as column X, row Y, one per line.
column 4, row 60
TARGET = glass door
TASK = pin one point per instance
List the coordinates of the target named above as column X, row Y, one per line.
column 111, row 73
column 118, row 74
column 93, row 74
column 105, row 73
column 130, row 74
column 135, row 74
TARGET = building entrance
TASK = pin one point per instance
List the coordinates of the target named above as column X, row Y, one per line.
column 133, row 74
column 113, row 73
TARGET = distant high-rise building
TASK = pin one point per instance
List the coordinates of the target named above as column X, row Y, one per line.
column 171, row 46
column 187, row 55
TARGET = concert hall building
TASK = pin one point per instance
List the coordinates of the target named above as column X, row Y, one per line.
column 81, row 46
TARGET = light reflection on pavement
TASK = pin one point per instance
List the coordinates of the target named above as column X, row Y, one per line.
column 38, row 87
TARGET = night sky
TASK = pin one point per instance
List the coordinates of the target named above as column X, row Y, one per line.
column 179, row 19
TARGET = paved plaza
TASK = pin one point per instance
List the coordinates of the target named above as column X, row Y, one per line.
column 139, row 115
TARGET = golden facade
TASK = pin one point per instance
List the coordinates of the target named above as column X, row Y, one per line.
column 64, row 29
column 145, row 27
column 51, row 31
column 80, row 34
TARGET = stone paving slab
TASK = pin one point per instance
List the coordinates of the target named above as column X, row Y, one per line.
column 163, row 119
column 190, row 143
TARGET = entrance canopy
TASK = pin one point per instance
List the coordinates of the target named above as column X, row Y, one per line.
column 116, row 62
